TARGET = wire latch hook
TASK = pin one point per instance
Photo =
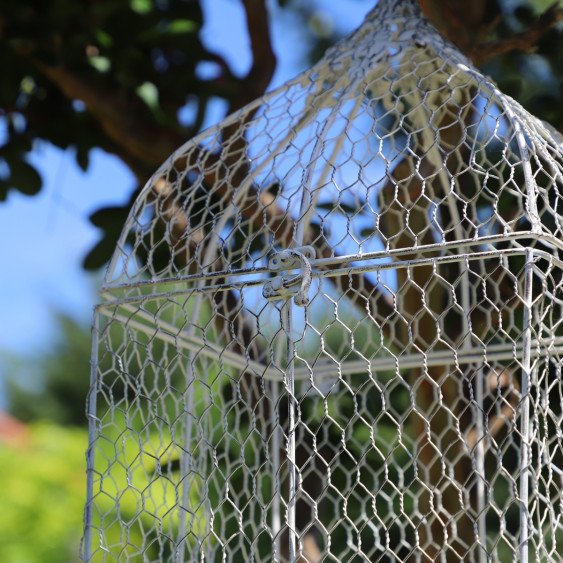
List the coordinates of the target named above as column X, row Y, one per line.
column 288, row 284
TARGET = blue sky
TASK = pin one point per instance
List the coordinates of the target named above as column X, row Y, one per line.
column 46, row 237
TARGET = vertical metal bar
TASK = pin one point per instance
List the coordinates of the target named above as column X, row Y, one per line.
column 186, row 462
column 287, row 325
column 479, row 410
column 276, row 482
column 525, row 408
column 90, row 457
column 480, row 465
column 307, row 204
column 280, row 355
column 531, row 188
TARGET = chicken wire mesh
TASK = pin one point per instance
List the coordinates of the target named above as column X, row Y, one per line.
column 331, row 328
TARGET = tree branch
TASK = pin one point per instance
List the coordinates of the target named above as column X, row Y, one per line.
column 254, row 84
column 524, row 41
column 141, row 142
column 147, row 143
column 464, row 24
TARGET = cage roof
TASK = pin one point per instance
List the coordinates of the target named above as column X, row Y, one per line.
column 392, row 143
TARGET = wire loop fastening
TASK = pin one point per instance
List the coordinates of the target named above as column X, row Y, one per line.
column 283, row 285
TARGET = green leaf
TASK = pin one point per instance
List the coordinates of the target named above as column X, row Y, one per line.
column 110, row 218
column 100, row 254
column 367, row 232
column 83, row 158
column 15, row 146
column 24, row 177
column 182, row 26
column 101, row 64
column 4, row 189
column 141, row 6
column 148, row 92
column 104, row 39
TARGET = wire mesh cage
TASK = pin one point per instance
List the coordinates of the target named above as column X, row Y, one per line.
column 332, row 326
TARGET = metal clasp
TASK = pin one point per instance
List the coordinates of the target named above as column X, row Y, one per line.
column 285, row 285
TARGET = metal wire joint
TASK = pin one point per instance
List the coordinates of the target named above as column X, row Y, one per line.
column 286, row 284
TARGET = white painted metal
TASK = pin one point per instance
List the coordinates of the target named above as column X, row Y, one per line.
column 332, row 326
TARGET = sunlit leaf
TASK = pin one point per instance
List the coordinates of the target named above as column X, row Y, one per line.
column 104, row 39
column 141, row 6
column 101, row 64
column 148, row 92
column 182, row 26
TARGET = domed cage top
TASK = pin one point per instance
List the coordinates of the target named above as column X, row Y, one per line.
column 331, row 328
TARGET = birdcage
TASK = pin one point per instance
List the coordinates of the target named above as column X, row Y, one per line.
column 332, row 326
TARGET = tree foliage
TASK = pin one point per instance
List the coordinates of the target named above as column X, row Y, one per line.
column 42, row 495
column 57, row 387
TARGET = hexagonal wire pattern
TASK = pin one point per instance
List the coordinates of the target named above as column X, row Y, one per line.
column 331, row 329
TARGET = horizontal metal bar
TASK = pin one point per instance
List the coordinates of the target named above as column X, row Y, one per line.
column 345, row 271
column 169, row 333
column 326, row 370
column 346, row 259
column 493, row 353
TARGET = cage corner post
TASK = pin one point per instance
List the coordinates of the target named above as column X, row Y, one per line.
column 294, row 546
column 525, row 422
column 86, row 543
